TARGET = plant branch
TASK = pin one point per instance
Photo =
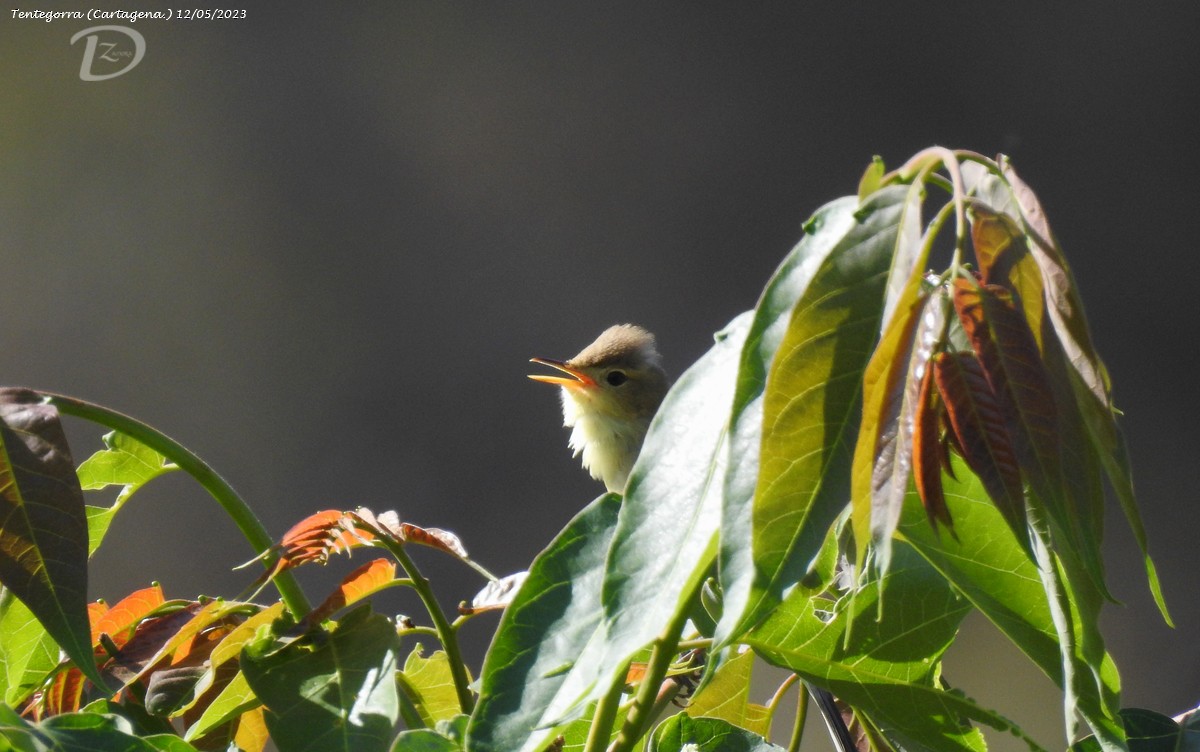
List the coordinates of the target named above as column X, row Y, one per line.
column 233, row 504
column 445, row 631
column 604, row 715
column 661, row 654
column 801, row 717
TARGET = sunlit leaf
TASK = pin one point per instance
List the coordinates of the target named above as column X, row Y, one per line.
column 339, row 693
column 525, row 667
column 813, row 398
column 982, row 432
column 126, row 462
column 364, row 581
column 496, row 594
column 793, row 432
column 823, row 232
column 727, row 696
column 233, row 700
column 886, row 665
column 683, row 733
column 993, row 571
column 429, row 686
column 883, row 454
column 424, row 740
column 673, row 493
column 119, row 621
column 28, row 655
column 43, row 528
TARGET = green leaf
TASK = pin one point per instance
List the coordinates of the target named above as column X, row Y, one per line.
column 1089, row 378
column 991, row 569
column 424, row 740
column 682, row 733
column 28, row 654
column 674, row 494
column 883, row 664
column 43, row 549
column 550, row 622
column 801, row 473
column 822, row 234
column 94, row 732
column 126, row 462
column 727, row 696
column 236, row 698
column 336, row 693
column 429, row 686
column 1148, row 731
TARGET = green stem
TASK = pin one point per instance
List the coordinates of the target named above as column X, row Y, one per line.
column 237, row 509
column 801, row 717
column 661, row 654
column 445, row 631
column 605, row 714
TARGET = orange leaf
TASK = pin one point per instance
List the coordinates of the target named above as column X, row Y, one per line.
column 65, row 692
column 981, row 431
column 119, row 621
column 362, row 582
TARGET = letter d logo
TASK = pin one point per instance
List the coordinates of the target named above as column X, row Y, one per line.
column 109, row 51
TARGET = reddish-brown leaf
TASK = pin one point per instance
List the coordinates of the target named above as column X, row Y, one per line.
column 982, row 432
column 927, row 453
column 434, row 537
column 1012, row 363
column 362, row 582
column 143, row 649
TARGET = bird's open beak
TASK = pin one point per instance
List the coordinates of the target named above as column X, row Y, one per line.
column 577, row 378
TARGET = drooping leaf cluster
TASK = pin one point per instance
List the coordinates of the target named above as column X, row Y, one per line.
column 912, row 423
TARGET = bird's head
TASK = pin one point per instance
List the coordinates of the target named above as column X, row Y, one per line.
column 619, row 376
column 610, row 392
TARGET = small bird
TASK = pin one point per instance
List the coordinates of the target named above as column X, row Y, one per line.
column 612, row 389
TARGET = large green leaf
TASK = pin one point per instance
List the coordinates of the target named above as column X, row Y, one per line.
column 823, row 234
column 27, row 652
column 992, row 570
column 1148, row 731
column 83, row 732
column 549, row 624
column 683, row 733
column 125, row 462
column 1065, row 325
column 882, row 659
column 338, row 693
column 810, row 405
column 666, row 535
column 43, row 529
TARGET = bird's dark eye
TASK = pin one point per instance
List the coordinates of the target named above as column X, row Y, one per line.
column 616, row 378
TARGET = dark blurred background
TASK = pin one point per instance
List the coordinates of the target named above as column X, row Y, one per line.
column 318, row 245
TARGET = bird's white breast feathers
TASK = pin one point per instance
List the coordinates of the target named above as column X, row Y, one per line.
column 608, row 444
